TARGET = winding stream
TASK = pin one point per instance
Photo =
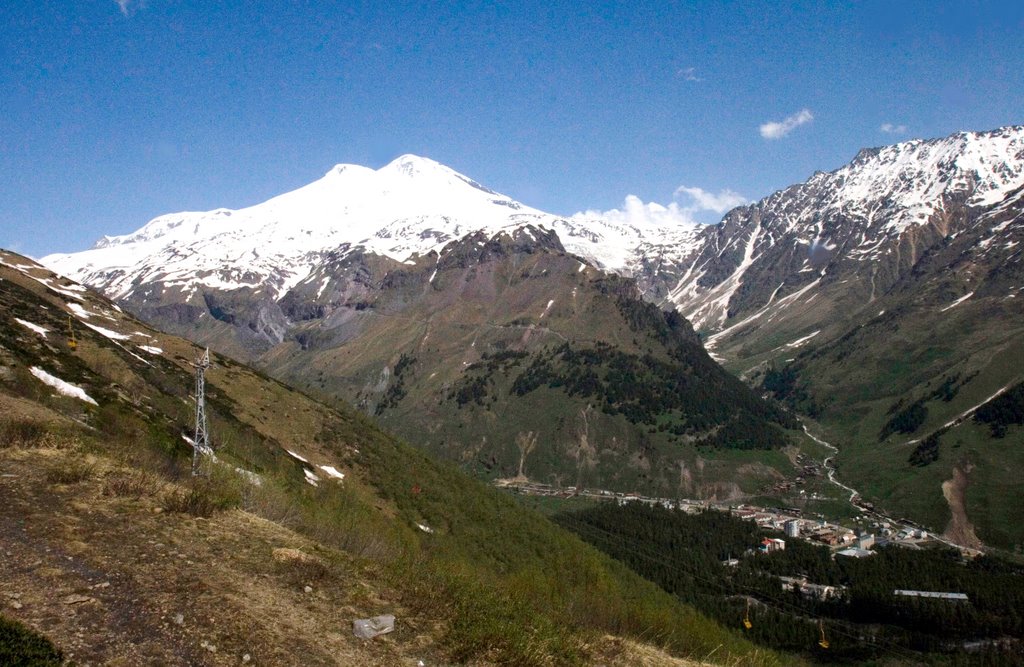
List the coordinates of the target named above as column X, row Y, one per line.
column 855, row 496
column 830, row 466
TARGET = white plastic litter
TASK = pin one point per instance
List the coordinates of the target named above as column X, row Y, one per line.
column 368, row 628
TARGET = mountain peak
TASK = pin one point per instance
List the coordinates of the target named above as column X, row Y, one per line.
column 412, row 165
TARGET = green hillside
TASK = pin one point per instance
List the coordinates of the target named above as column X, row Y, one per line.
column 898, row 396
column 518, row 360
column 102, row 506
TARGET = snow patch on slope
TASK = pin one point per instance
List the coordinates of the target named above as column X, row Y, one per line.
column 62, row 387
column 42, row 331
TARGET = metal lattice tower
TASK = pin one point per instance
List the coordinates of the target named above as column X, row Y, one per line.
column 201, row 444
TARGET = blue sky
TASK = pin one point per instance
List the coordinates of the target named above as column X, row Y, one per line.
column 115, row 111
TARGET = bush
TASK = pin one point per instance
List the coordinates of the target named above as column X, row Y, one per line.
column 485, row 621
column 131, row 484
column 299, row 568
column 203, row 497
column 71, row 470
column 21, row 646
column 27, row 433
column 340, row 519
column 22, row 433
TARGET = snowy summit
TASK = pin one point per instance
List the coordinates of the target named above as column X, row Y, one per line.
column 412, row 206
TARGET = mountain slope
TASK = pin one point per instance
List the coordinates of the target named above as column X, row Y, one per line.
column 883, row 300
column 398, row 321
column 408, row 208
column 854, row 296
column 101, row 518
column 867, row 223
column 518, row 360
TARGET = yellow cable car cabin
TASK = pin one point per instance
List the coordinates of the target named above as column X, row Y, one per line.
column 71, row 335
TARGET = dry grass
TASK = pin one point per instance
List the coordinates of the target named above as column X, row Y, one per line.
column 71, row 470
column 133, row 484
column 33, row 434
column 134, row 565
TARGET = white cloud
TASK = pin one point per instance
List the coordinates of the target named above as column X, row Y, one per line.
column 129, row 7
column 636, row 213
column 889, row 128
column 778, row 130
column 688, row 74
column 703, row 200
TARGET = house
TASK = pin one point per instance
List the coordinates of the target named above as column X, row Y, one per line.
column 809, row 590
column 770, row 545
column 855, row 552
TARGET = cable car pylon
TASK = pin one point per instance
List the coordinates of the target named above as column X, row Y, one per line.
column 201, row 443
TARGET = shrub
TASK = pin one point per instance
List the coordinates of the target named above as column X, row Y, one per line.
column 203, row 497
column 21, row 646
column 21, row 433
column 71, row 470
column 130, row 484
column 298, row 567
column 27, row 433
column 485, row 621
column 341, row 519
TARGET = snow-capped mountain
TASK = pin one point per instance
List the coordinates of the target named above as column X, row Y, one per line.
column 844, row 237
column 412, row 206
column 887, row 201
column 893, row 281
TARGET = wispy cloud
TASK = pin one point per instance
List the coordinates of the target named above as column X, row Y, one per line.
column 889, row 128
column 688, row 74
column 778, row 130
column 709, row 201
column 129, row 7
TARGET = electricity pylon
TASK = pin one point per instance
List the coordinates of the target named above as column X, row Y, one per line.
column 201, row 444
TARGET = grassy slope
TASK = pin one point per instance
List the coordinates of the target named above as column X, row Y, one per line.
column 854, row 382
column 494, row 582
column 446, row 326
